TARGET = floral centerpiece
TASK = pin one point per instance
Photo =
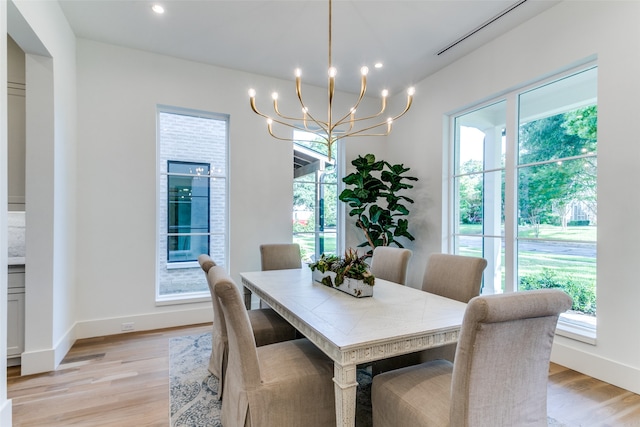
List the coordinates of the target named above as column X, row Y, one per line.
column 351, row 271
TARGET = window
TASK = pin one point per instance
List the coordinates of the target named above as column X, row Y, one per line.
column 524, row 190
column 188, row 213
column 315, row 198
column 192, row 208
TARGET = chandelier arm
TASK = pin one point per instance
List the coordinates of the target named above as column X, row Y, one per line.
column 351, row 114
column 359, row 132
column 252, row 101
column 378, row 114
column 389, row 123
column 282, row 116
column 407, row 107
column 324, row 126
column 292, row 126
column 305, row 111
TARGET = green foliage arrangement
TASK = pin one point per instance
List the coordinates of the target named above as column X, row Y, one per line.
column 374, row 194
column 350, row 265
column 583, row 294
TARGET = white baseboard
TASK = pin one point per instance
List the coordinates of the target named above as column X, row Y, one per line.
column 46, row 360
column 610, row 371
column 5, row 414
column 35, row 362
column 143, row 322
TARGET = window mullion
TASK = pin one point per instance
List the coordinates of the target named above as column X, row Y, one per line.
column 510, row 196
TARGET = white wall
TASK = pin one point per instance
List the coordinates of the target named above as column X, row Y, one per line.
column 118, row 90
column 563, row 36
column 42, row 32
column 5, row 404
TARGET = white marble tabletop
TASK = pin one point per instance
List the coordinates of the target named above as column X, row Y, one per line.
column 395, row 320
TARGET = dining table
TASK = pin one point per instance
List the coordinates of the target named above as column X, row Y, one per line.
column 351, row 331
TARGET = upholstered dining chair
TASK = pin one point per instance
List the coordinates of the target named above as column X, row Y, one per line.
column 280, row 256
column 390, row 263
column 499, row 374
column 456, row 277
column 268, row 327
column 284, row 384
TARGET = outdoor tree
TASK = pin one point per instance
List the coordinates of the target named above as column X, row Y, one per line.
column 547, row 190
column 470, row 192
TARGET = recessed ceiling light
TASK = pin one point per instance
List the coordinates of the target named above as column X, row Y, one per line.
column 378, row 65
column 157, row 9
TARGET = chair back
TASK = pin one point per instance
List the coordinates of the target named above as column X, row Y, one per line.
column 501, row 365
column 390, row 263
column 217, row 273
column 280, row 256
column 243, row 355
column 205, row 262
column 454, row 276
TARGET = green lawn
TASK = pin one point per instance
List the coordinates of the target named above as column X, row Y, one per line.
column 307, row 244
column 580, row 233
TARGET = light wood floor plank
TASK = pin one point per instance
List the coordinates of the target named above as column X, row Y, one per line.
column 123, row 380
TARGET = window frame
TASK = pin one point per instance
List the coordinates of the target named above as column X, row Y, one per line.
column 218, row 171
column 568, row 326
column 338, row 165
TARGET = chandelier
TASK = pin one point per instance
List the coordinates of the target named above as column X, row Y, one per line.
column 329, row 130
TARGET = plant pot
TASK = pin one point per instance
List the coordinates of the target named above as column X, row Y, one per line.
column 353, row 287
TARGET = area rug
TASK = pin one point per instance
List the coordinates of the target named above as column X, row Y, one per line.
column 193, row 389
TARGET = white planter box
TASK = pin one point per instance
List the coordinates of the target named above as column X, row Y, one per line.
column 353, row 287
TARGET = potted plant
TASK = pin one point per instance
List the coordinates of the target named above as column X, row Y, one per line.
column 375, row 197
column 351, row 271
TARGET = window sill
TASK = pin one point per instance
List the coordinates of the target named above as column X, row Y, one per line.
column 577, row 327
column 186, row 264
column 177, row 299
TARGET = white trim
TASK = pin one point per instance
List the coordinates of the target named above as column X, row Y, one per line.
column 6, row 411
column 144, row 322
column 567, row 352
column 171, row 267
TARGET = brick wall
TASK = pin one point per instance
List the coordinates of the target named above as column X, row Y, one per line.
column 202, row 140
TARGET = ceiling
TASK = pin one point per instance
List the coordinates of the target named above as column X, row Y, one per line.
column 273, row 38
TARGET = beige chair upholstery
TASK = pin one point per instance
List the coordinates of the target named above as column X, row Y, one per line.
column 390, row 263
column 268, row 327
column 280, row 256
column 277, row 385
column 499, row 376
column 452, row 276
column 205, row 262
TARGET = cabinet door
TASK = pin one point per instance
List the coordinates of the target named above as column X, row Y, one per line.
column 15, row 324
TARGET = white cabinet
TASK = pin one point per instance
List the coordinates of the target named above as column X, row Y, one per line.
column 15, row 314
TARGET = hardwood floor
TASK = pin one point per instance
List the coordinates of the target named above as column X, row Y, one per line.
column 123, row 380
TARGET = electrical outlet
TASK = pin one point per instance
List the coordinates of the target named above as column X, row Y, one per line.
column 128, row 326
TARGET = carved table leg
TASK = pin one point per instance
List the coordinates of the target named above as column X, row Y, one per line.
column 344, row 378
